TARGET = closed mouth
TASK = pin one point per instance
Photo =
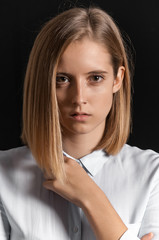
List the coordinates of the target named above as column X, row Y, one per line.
column 79, row 114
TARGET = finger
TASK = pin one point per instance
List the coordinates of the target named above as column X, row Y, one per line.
column 148, row 236
column 46, row 176
column 65, row 158
column 48, row 184
column 54, row 185
column 68, row 160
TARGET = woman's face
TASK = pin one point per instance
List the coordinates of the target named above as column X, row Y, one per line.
column 85, row 86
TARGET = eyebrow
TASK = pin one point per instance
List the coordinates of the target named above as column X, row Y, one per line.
column 92, row 72
column 65, row 73
column 97, row 71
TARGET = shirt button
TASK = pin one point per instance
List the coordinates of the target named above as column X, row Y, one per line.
column 75, row 229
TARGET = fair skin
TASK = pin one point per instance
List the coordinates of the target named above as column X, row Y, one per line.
column 85, row 88
column 85, row 84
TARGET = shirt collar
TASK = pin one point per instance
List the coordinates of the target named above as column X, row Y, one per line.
column 93, row 162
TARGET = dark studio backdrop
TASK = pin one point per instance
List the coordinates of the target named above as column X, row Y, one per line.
column 20, row 21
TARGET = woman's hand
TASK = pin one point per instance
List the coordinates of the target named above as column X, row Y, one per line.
column 148, row 236
column 81, row 190
column 78, row 186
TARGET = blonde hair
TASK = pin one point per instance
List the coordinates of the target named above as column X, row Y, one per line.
column 41, row 126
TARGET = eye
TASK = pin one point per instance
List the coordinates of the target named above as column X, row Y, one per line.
column 96, row 78
column 61, row 80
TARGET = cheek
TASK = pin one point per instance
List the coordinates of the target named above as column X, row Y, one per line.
column 61, row 96
column 105, row 98
column 104, row 103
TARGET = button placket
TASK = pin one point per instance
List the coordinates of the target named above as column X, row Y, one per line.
column 74, row 222
column 75, row 229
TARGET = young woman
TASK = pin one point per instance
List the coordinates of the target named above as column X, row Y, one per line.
column 76, row 178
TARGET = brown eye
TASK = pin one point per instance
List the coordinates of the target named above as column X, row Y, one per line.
column 61, row 79
column 96, row 78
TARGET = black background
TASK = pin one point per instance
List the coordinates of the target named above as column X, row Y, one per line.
column 20, row 21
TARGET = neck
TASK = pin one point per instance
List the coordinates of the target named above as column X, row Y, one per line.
column 79, row 145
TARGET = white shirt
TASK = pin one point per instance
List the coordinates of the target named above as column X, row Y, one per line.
column 28, row 211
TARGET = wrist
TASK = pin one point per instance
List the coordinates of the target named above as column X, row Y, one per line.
column 101, row 215
column 94, row 198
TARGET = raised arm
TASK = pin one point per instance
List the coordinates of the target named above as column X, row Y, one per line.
column 81, row 190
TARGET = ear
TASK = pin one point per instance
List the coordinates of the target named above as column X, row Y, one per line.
column 119, row 79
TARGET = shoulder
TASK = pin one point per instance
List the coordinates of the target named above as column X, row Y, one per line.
column 138, row 155
column 16, row 157
column 17, row 164
column 20, row 180
column 135, row 160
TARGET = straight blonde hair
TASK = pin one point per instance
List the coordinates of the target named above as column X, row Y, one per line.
column 41, row 127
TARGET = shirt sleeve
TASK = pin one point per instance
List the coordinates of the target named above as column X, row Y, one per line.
column 4, row 224
column 150, row 221
column 128, row 235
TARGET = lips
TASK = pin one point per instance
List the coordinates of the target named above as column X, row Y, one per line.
column 80, row 116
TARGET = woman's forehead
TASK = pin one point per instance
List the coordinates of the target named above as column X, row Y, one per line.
column 85, row 53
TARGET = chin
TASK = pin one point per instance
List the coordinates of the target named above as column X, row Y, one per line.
column 80, row 130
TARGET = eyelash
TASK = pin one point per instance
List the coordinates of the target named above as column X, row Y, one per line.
column 60, row 80
column 97, row 76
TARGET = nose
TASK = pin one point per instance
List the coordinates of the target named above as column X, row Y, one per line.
column 79, row 92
